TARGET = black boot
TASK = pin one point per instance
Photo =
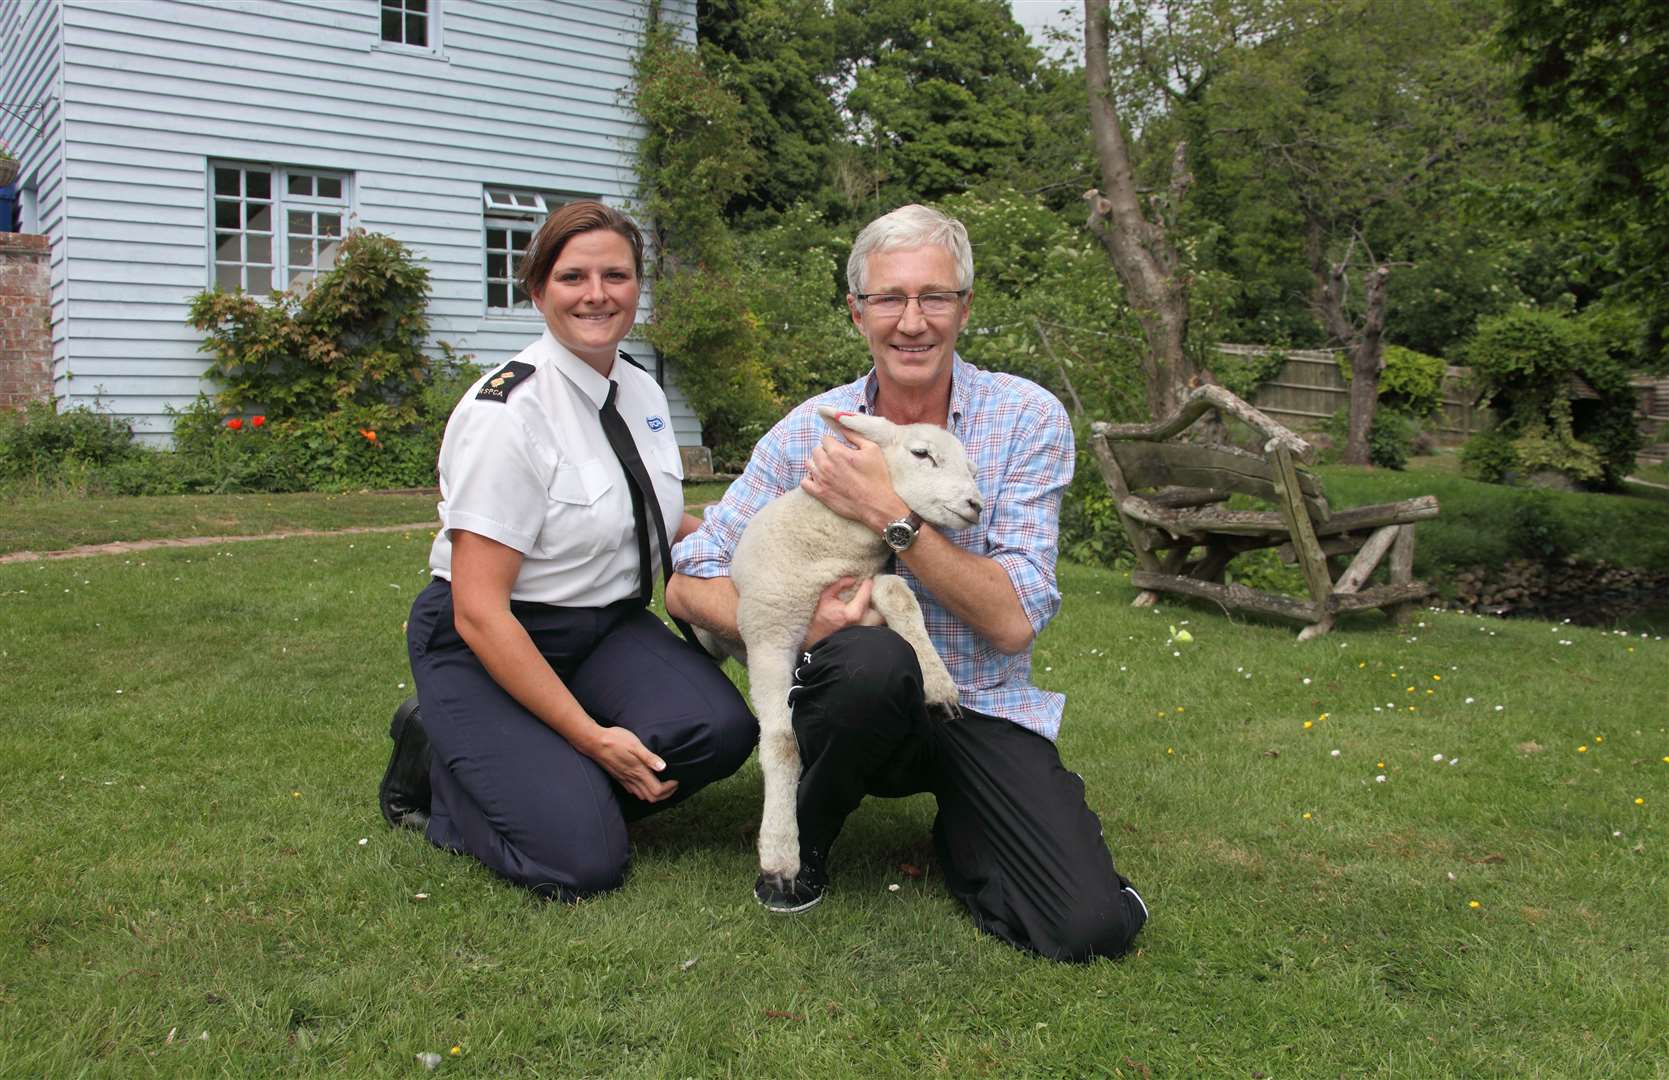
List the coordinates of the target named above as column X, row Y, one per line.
column 404, row 793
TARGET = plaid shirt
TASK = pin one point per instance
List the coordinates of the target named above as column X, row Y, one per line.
column 1020, row 442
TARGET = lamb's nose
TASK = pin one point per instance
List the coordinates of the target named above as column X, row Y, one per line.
column 976, row 506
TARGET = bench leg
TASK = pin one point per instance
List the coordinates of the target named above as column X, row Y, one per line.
column 1402, row 571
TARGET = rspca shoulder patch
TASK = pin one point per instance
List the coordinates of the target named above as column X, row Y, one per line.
column 505, row 379
column 655, row 423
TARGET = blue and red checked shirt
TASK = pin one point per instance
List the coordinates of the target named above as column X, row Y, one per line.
column 1020, row 442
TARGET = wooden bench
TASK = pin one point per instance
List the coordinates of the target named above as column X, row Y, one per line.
column 1170, row 493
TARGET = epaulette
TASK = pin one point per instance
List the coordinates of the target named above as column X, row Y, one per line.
column 626, row 356
column 504, row 380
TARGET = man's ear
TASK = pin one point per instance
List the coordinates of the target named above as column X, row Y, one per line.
column 873, row 428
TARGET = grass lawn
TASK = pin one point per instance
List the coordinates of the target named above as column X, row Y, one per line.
column 197, row 881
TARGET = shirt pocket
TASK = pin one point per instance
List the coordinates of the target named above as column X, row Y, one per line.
column 671, row 461
column 583, row 518
column 582, row 484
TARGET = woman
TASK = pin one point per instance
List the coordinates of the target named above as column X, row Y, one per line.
column 555, row 707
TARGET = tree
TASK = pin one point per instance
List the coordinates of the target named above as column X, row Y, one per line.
column 1137, row 238
column 1358, row 117
column 1599, row 73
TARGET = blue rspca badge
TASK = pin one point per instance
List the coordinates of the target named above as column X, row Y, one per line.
column 655, row 423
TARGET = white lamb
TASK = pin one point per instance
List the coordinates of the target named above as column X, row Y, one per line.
column 788, row 554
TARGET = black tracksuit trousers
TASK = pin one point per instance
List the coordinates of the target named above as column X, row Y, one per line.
column 1019, row 844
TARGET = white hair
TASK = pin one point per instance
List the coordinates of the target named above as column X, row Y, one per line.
column 910, row 226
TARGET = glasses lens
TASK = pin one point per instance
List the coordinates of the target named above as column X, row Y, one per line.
column 887, row 303
column 937, row 303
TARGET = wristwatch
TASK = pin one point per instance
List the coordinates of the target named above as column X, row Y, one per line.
column 900, row 534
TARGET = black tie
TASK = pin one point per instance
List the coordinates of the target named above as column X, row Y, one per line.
column 643, row 494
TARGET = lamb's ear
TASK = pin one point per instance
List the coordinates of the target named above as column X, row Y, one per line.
column 873, row 428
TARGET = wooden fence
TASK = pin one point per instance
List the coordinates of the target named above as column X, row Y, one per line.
column 1309, row 389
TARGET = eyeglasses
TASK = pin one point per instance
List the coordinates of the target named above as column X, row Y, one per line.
column 892, row 305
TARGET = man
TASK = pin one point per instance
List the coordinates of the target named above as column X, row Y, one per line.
column 1019, row 845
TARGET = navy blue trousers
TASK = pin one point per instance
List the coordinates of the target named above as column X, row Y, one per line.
column 516, row 795
column 1018, row 842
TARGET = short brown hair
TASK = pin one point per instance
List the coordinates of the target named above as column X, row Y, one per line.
column 568, row 222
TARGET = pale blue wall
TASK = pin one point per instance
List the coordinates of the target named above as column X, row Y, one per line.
column 529, row 94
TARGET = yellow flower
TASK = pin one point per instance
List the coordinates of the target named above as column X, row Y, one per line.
column 1170, row 749
column 295, row 794
column 1639, row 802
column 1581, row 749
column 1381, row 765
column 1306, row 815
column 1410, row 690
column 456, row 1050
column 1323, row 716
column 1437, row 678
column 1599, row 738
column 1179, row 708
column 1308, row 724
column 1362, row 664
column 1473, row 904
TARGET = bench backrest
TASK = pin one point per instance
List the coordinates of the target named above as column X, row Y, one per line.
column 1150, row 465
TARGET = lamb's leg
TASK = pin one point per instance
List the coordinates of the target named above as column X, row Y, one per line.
column 770, row 677
column 897, row 604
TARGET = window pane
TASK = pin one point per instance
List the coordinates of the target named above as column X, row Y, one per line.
column 417, row 5
column 301, row 253
column 330, row 187
column 260, row 281
column 327, row 255
column 497, row 295
column 521, row 298
column 390, row 25
column 260, row 249
column 518, row 240
column 330, row 224
column 257, row 183
column 227, row 248
column 226, row 182
column 258, row 217
column 301, row 184
column 495, row 238
column 228, row 277
column 417, row 30
column 498, row 264
column 225, row 214
column 300, row 221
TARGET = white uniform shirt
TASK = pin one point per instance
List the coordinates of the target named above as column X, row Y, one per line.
column 528, row 465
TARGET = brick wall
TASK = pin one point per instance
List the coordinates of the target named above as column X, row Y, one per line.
column 25, row 320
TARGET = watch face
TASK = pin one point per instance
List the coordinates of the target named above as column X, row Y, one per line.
column 899, row 535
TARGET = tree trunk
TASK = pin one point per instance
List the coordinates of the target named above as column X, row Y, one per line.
column 1367, row 358
column 1365, row 341
column 1142, row 254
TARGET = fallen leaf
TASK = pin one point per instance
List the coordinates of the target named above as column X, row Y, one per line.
column 688, row 964
column 779, row 1014
column 909, row 870
column 1530, row 747
column 1271, row 753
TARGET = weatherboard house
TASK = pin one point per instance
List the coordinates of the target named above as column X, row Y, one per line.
column 169, row 145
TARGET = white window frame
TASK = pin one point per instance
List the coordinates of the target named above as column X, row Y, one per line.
column 432, row 27
column 303, row 217
column 512, row 212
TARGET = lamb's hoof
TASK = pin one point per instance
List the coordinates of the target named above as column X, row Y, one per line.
column 790, row 896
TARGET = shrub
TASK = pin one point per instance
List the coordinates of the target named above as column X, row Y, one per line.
column 1392, row 438
column 1411, row 382
column 1525, row 362
column 43, row 449
column 1489, row 456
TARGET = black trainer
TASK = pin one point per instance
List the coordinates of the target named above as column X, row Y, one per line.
column 404, row 793
column 805, row 892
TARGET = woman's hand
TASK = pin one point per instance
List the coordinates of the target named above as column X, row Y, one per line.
column 632, row 765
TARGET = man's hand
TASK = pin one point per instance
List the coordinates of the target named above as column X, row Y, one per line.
column 632, row 765
column 852, row 480
column 833, row 613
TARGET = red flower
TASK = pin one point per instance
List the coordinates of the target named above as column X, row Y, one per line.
column 257, row 421
column 370, row 436
column 234, row 423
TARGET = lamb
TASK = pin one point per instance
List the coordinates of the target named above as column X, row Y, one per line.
column 788, row 554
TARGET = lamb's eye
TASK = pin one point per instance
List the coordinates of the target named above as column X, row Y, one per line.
column 925, row 455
